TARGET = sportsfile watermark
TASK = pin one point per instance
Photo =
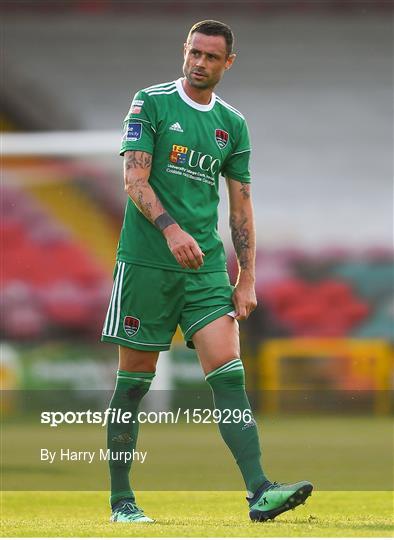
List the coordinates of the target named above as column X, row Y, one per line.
column 117, row 416
column 56, row 440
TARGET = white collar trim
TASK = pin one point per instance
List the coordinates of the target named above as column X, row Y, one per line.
column 192, row 103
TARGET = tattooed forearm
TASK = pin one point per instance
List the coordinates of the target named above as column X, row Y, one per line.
column 137, row 166
column 140, row 191
column 133, row 183
column 144, row 197
column 242, row 228
column 137, row 195
column 144, row 206
column 245, row 190
column 240, row 235
column 137, row 160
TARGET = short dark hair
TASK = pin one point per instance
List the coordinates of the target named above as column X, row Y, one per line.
column 214, row 28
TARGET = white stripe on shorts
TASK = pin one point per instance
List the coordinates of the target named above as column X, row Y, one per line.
column 105, row 328
column 123, row 265
column 111, row 322
column 202, row 318
column 114, row 305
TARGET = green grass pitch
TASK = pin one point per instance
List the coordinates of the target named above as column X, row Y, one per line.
column 200, row 514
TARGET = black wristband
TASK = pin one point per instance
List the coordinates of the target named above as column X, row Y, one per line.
column 163, row 221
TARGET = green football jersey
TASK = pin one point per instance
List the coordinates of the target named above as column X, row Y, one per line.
column 192, row 145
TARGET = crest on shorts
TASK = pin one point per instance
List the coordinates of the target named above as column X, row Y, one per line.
column 221, row 137
column 131, row 325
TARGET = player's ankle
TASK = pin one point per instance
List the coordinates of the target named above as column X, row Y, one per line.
column 263, row 487
column 116, row 498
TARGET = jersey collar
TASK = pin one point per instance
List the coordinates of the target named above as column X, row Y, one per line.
column 192, row 103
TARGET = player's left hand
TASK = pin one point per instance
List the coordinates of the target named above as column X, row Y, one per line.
column 244, row 299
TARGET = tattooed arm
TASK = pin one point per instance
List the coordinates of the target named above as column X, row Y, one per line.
column 137, row 168
column 244, row 240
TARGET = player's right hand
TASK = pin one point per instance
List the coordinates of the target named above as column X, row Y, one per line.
column 184, row 248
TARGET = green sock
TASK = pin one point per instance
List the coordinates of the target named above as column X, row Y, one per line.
column 228, row 387
column 122, row 437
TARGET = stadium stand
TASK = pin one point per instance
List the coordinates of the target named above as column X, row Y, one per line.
column 51, row 284
column 308, row 294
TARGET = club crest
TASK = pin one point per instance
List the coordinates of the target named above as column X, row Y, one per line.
column 131, row 325
column 221, row 137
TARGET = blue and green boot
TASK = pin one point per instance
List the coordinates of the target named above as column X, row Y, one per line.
column 126, row 511
column 272, row 499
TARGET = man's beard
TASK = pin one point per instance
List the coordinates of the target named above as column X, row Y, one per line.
column 204, row 84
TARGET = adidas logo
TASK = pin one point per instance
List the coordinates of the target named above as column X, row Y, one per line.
column 123, row 438
column 248, row 425
column 176, row 127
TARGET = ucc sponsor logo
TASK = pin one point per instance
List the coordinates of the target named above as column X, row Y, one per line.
column 181, row 155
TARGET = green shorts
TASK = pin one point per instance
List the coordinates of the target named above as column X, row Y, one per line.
column 147, row 304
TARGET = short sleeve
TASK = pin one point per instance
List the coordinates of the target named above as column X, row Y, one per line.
column 139, row 126
column 237, row 165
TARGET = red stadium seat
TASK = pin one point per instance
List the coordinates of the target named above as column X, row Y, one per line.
column 49, row 280
column 285, row 294
column 331, row 292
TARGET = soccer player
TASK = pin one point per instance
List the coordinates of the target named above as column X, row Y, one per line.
column 178, row 138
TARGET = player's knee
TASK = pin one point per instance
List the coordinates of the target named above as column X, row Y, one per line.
column 229, row 353
column 133, row 360
column 229, row 376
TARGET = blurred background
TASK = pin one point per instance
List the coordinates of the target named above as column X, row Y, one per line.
column 314, row 80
